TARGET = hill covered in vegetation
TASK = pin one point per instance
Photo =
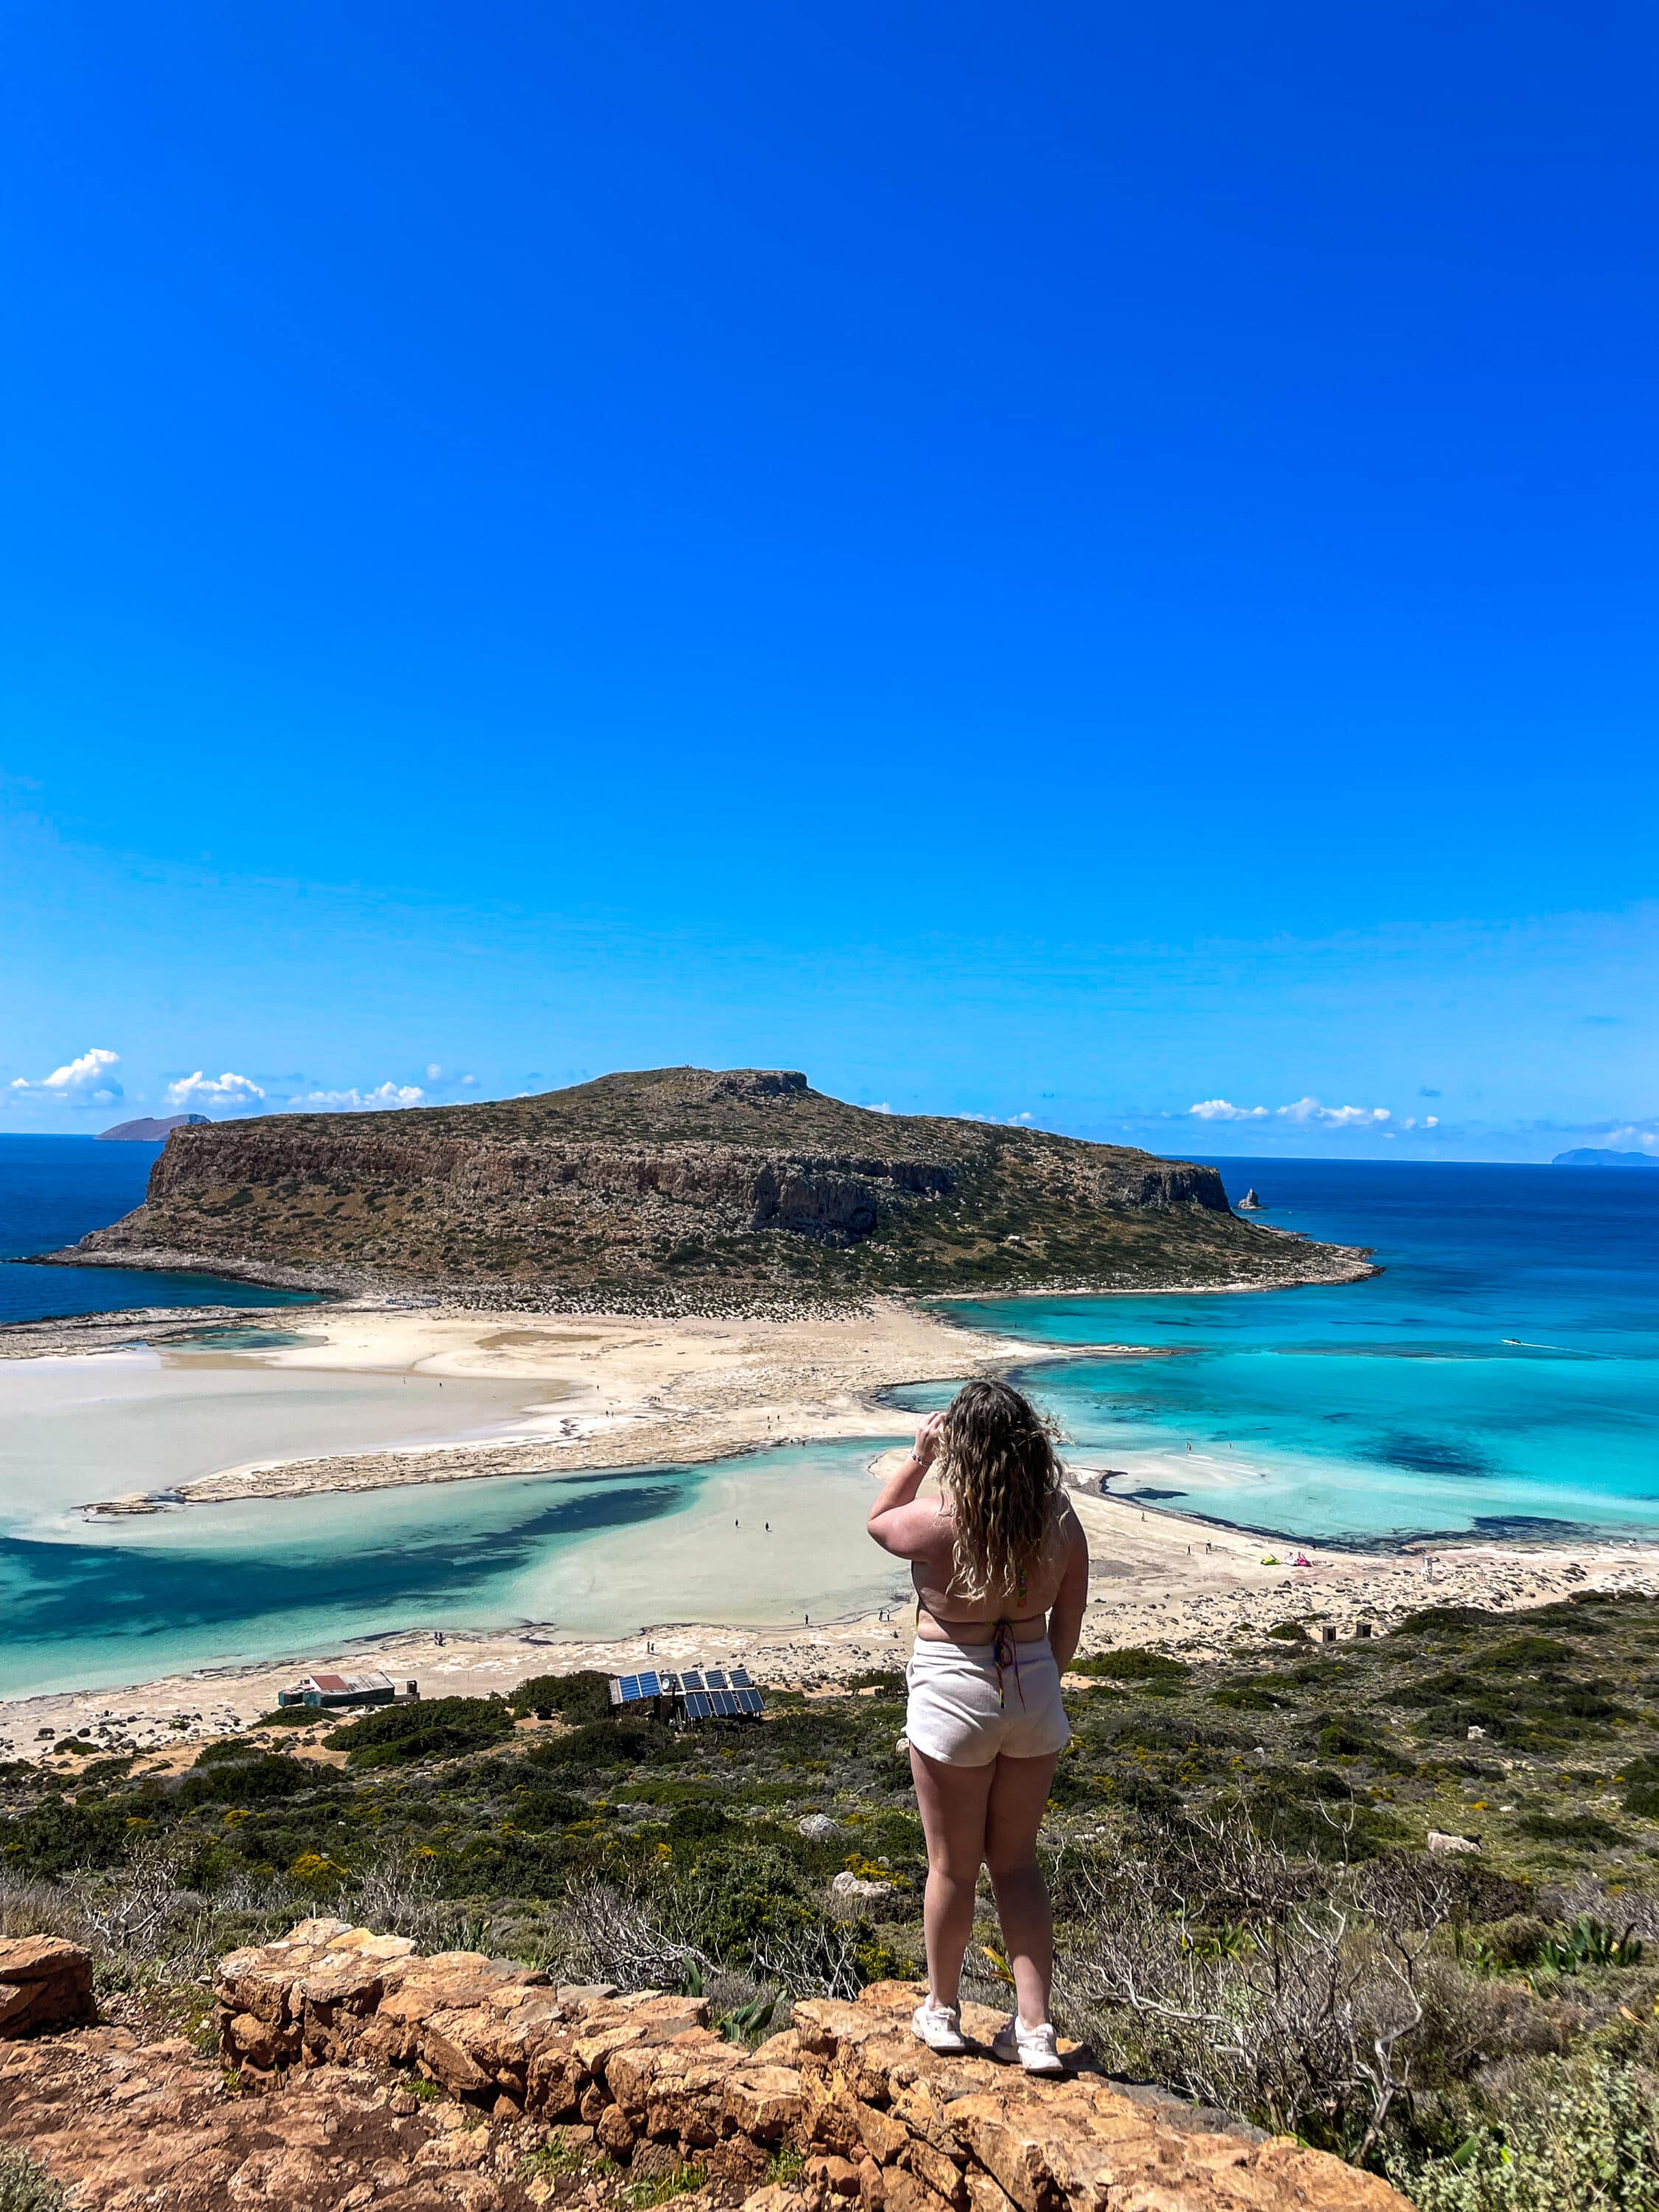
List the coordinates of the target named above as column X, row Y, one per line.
column 686, row 1186
column 1247, row 1841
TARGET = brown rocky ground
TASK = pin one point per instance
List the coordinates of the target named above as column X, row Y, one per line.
column 354, row 2073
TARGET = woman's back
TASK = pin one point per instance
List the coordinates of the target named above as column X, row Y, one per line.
column 949, row 1610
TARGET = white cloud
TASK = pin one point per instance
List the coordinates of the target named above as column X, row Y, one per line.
column 361, row 1101
column 231, row 1094
column 1633, row 1135
column 1429, row 1121
column 433, row 1071
column 878, row 1106
column 83, row 1082
column 1311, row 1114
column 1222, row 1110
column 996, row 1120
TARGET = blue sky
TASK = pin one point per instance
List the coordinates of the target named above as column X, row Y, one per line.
column 1082, row 564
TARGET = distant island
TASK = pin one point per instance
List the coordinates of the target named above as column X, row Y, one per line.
column 1600, row 1155
column 690, row 1188
column 148, row 1130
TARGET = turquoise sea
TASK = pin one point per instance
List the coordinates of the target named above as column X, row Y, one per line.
column 1501, row 1376
column 1368, row 1412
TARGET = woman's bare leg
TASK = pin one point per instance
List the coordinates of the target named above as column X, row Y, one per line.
column 952, row 1801
column 1019, row 1794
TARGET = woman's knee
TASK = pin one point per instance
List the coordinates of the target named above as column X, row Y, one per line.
column 952, row 1873
column 1012, row 1863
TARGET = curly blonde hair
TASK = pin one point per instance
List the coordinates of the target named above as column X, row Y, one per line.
column 1000, row 1479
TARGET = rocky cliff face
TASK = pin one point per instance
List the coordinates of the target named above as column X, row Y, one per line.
column 682, row 1182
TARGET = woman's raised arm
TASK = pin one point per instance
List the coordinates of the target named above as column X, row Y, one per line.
column 896, row 1521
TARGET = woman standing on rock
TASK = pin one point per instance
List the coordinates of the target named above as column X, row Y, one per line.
column 1001, row 1570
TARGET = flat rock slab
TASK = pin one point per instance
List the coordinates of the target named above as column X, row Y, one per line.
column 45, row 1982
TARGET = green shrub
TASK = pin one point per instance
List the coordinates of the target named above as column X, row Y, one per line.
column 583, row 1696
column 601, row 1743
column 55, row 1837
column 1587, row 1941
column 253, row 1780
column 544, row 1808
column 1583, row 1828
column 696, row 1824
column 1288, row 1632
column 26, row 2185
column 1585, row 2140
column 1441, row 1619
column 288, row 1716
column 227, row 1752
column 1248, row 1697
column 1528, row 1651
column 435, row 1728
column 1130, row 1666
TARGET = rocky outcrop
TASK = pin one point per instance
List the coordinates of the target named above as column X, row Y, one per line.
column 44, row 1983
column 878, row 2119
column 1249, row 1203
column 664, row 1188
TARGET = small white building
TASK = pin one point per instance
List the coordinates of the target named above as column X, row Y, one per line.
column 334, row 1690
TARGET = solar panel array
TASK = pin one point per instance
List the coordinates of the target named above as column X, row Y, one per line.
column 705, row 1694
column 627, row 1689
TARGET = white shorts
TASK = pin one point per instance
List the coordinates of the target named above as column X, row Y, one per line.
column 955, row 1715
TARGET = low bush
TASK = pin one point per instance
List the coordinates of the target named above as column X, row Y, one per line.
column 1132, row 1665
column 1581, row 1828
column 257, row 1779
column 583, row 1696
column 26, row 2185
column 604, row 1743
column 435, row 1728
column 1576, row 2138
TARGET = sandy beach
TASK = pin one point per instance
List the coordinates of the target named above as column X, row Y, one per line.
column 598, row 1391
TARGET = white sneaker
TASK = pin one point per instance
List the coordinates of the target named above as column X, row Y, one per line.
column 939, row 2027
column 1035, row 2048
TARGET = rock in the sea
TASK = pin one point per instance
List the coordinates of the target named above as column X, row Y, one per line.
column 1249, row 1203
column 44, row 1983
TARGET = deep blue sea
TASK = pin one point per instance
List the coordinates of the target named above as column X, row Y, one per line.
column 1501, row 1376
column 53, row 1191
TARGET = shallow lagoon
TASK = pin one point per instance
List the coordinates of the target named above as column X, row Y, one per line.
column 594, row 1555
column 1363, row 1413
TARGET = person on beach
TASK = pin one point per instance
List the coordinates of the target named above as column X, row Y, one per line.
column 1001, row 1566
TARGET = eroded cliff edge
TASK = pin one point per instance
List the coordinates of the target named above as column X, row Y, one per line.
column 687, row 1187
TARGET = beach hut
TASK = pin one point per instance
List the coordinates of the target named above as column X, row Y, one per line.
column 330, row 1691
